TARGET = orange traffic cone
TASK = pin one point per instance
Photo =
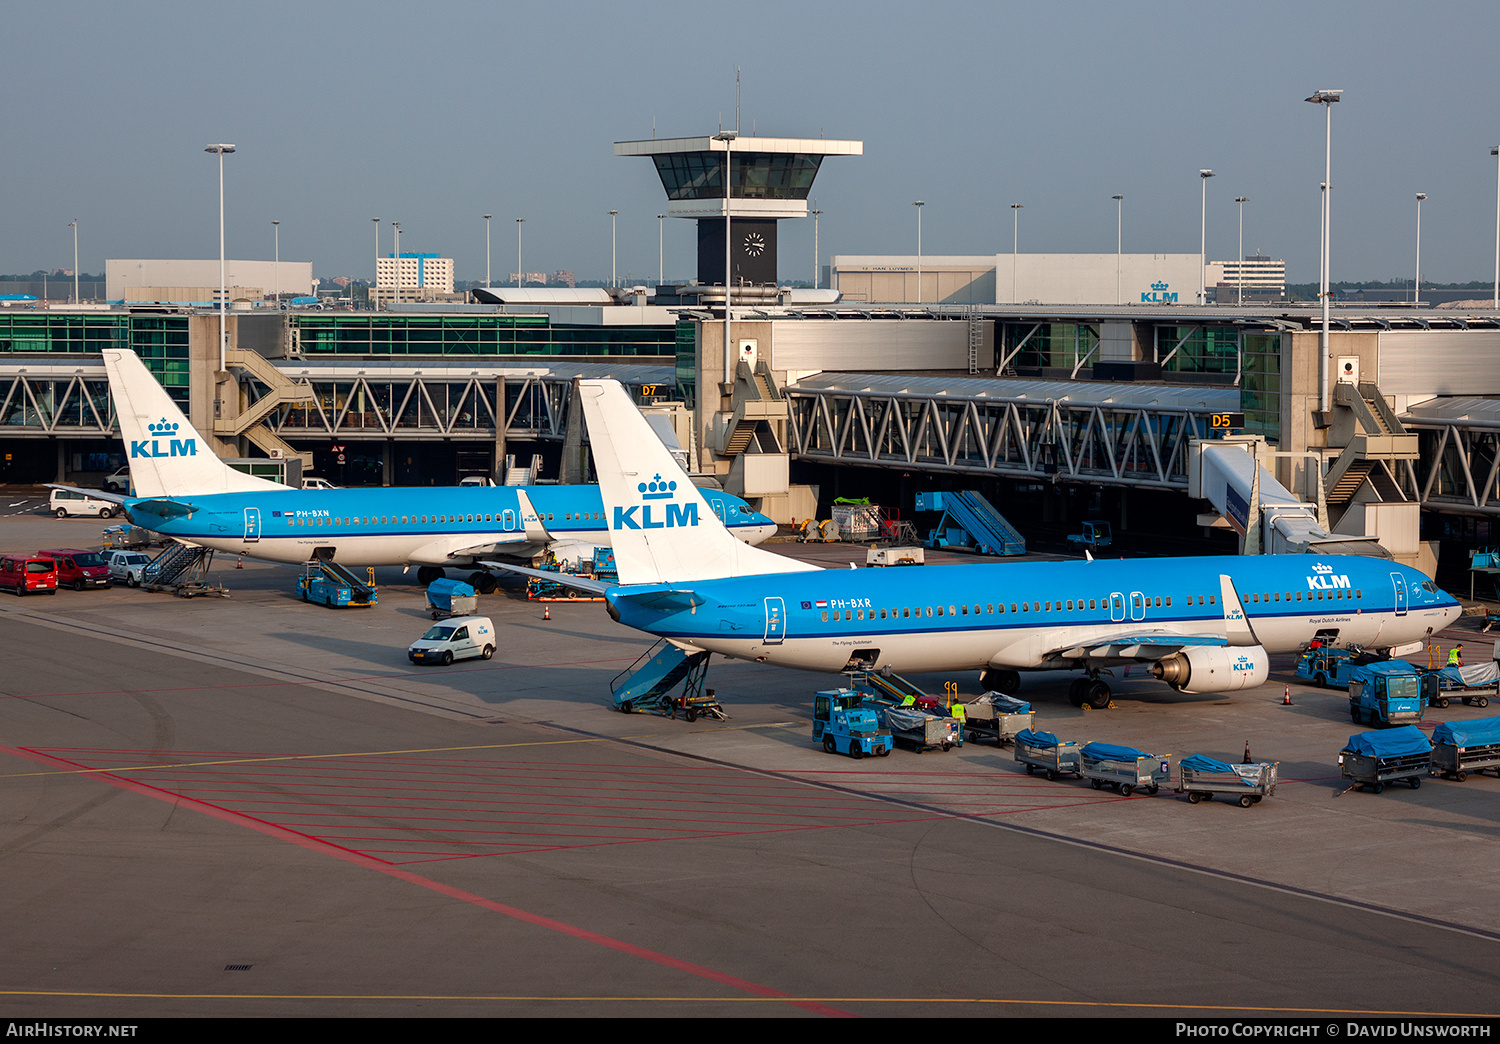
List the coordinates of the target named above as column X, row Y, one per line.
column 546, row 612
column 1286, row 697
column 239, row 563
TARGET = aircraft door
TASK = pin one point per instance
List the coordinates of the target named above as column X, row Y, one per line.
column 1137, row 605
column 719, row 509
column 1116, row 606
column 775, row 620
column 509, row 520
column 252, row 525
column 1399, row 582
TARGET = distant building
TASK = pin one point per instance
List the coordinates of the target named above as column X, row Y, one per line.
column 1256, row 278
column 196, row 283
column 412, row 277
column 1094, row 279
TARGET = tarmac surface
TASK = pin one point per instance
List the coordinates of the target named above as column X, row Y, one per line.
column 254, row 806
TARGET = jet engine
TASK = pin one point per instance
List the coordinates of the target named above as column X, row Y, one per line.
column 1214, row 669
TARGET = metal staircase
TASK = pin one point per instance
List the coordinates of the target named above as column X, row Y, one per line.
column 976, row 524
column 1376, row 441
column 280, row 391
column 182, row 568
column 648, row 687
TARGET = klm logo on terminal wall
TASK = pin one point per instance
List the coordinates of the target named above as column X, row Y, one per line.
column 163, row 443
column 1159, row 295
column 661, row 492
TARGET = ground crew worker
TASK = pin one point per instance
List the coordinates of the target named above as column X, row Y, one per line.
column 960, row 714
column 1456, row 656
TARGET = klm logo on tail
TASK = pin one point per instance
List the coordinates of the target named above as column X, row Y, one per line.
column 660, row 494
column 163, row 442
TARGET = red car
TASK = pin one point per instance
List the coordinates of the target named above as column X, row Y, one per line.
column 79, row 569
column 28, row 574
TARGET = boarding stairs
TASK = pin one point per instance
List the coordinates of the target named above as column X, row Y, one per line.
column 647, row 684
column 518, row 476
column 976, row 524
column 183, row 569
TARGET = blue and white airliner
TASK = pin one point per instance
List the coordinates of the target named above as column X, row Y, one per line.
column 1201, row 624
column 184, row 491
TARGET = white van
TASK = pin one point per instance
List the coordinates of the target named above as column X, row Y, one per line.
column 455, row 639
column 65, row 502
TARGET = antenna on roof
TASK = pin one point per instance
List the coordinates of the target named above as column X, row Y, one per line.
column 736, row 101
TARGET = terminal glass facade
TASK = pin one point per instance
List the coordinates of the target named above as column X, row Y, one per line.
column 160, row 340
column 687, row 363
column 1198, row 349
column 384, row 334
column 1049, row 345
column 1260, row 385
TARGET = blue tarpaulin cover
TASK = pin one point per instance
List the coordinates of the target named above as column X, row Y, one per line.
column 450, row 588
column 1032, row 738
column 1005, row 704
column 1389, row 743
column 1478, row 733
column 1204, row 763
column 1112, row 752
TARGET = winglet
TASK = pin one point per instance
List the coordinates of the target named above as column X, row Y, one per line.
column 1236, row 623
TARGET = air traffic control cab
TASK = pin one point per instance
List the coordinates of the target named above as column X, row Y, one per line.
column 770, row 180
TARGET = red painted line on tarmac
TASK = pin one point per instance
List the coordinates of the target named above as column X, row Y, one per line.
column 317, row 681
column 372, row 863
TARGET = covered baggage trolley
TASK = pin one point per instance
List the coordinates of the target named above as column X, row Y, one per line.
column 1461, row 747
column 1373, row 759
column 1043, row 750
column 1124, row 768
column 922, row 730
column 451, row 598
column 1203, row 777
column 1475, row 684
column 996, row 716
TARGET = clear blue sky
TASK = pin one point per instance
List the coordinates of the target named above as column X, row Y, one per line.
column 435, row 114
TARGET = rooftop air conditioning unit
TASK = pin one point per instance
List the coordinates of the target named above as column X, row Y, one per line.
column 276, row 453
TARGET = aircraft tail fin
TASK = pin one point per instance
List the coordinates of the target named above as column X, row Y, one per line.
column 662, row 528
column 168, row 458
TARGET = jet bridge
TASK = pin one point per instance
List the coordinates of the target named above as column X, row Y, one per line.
column 1269, row 517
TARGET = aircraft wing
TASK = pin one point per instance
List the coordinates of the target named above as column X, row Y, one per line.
column 581, row 583
column 95, row 494
column 1141, row 644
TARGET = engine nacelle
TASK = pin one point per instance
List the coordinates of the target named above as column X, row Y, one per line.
column 1214, row 669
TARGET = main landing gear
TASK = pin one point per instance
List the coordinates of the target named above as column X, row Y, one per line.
column 1089, row 691
column 1007, row 682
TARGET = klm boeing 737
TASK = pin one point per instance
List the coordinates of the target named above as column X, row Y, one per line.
column 184, row 491
column 1201, row 624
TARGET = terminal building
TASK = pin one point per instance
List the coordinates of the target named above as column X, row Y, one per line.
column 1059, row 410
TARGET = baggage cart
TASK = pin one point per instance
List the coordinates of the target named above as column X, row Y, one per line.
column 1124, row 768
column 1475, row 684
column 996, row 716
column 127, row 538
column 922, row 730
column 451, row 598
column 1373, row 759
column 1203, row 777
column 1461, row 747
column 1043, row 750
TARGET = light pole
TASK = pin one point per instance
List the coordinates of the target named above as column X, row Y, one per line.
column 1417, row 283
column 919, row 204
column 276, row 230
column 1239, row 290
column 727, row 137
column 661, row 249
column 817, row 272
column 487, row 250
column 377, row 262
column 1118, row 239
column 612, row 215
column 1203, row 176
column 74, row 226
column 1326, row 99
column 520, row 276
column 220, row 150
column 1496, row 152
column 1015, row 240
column 396, row 289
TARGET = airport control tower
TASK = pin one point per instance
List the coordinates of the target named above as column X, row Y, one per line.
column 771, row 179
